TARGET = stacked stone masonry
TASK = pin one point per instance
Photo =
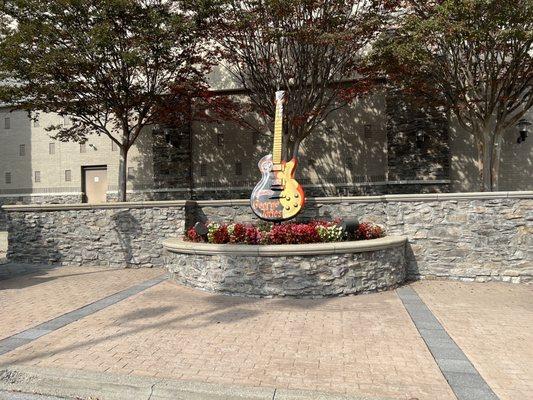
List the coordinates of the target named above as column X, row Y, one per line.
column 320, row 275
column 474, row 236
column 460, row 236
column 94, row 236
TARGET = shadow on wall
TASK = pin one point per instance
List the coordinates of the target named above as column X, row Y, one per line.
column 418, row 143
column 29, row 241
column 516, row 164
column 162, row 160
column 127, row 228
column 140, row 162
column 348, row 147
column 413, row 271
column 226, row 154
column 464, row 172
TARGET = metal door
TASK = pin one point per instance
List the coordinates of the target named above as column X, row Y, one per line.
column 95, row 184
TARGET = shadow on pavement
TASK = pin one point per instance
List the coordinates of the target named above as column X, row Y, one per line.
column 223, row 309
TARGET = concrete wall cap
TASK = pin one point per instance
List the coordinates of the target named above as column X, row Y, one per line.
column 522, row 194
column 245, row 202
column 222, row 203
column 175, row 245
column 387, row 198
column 87, row 206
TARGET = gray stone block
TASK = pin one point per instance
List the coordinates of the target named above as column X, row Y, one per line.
column 469, row 393
column 458, row 366
column 459, row 379
column 32, row 334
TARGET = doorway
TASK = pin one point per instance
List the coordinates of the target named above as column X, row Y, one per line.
column 94, row 184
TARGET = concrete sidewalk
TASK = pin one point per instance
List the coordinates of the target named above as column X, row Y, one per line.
column 86, row 385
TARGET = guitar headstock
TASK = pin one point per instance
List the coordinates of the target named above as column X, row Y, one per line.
column 280, row 97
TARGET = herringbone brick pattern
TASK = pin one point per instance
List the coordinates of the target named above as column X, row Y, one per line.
column 29, row 300
column 364, row 345
column 493, row 324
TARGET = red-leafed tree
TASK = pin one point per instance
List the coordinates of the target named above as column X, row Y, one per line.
column 312, row 49
column 472, row 56
column 111, row 65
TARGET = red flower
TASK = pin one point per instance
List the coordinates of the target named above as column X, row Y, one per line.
column 252, row 235
column 366, row 231
column 239, row 234
column 192, row 236
column 285, row 233
column 221, row 235
column 293, row 233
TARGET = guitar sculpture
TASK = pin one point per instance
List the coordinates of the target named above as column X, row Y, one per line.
column 277, row 197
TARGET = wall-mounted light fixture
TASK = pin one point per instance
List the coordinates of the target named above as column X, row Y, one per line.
column 523, row 129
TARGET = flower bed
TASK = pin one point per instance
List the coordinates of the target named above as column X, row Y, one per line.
column 285, row 233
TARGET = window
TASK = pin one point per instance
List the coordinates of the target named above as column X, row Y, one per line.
column 8, row 177
column 68, row 175
column 238, row 168
column 255, row 139
column 51, row 148
column 220, row 140
column 37, row 176
column 114, row 146
column 203, row 170
column 83, row 148
column 22, row 150
column 367, row 130
column 131, row 172
column 36, row 123
column 7, row 123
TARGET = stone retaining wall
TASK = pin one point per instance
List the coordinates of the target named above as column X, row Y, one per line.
column 49, row 198
column 117, row 235
column 467, row 236
column 327, row 272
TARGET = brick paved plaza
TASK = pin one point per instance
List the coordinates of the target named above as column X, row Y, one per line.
column 363, row 345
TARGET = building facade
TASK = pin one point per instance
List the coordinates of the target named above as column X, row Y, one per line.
column 377, row 145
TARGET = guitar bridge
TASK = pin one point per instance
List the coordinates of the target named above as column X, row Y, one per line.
column 277, row 185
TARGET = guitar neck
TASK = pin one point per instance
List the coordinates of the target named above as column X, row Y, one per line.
column 278, row 129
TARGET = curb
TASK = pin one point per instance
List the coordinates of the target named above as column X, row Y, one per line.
column 106, row 386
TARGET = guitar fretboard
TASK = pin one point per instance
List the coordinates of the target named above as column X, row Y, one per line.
column 278, row 129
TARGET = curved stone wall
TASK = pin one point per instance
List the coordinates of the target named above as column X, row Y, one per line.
column 317, row 270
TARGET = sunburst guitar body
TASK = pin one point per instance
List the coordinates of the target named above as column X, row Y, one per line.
column 278, row 196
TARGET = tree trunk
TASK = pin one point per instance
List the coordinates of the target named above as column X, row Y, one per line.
column 490, row 151
column 292, row 145
column 122, row 172
column 486, row 162
column 295, row 148
column 495, row 167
